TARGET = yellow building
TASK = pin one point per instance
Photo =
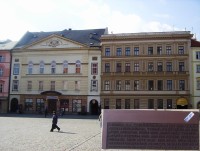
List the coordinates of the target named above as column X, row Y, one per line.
column 145, row 70
column 55, row 70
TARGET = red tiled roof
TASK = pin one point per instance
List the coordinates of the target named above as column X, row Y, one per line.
column 195, row 43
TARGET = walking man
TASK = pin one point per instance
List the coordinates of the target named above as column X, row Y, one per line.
column 54, row 122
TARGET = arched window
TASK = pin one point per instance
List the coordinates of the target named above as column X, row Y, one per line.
column 78, row 66
column 1, row 71
column 30, row 67
column 53, row 67
column 65, row 67
column 41, row 67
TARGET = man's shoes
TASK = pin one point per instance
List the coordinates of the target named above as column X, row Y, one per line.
column 51, row 131
column 59, row 130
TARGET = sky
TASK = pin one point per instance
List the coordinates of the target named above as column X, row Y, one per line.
column 120, row 16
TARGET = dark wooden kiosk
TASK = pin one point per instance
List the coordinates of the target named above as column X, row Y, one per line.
column 150, row 129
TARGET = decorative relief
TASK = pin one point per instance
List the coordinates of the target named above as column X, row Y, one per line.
column 54, row 42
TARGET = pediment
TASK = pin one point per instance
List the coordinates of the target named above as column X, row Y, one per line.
column 54, row 41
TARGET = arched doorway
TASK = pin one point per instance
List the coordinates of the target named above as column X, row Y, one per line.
column 14, row 105
column 198, row 105
column 94, row 110
column 182, row 103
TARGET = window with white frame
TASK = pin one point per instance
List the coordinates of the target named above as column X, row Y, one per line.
column 15, row 85
column 107, row 67
column 94, row 68
column 53, row 67
column 181, row 66
column 181, row 84
column 41, row 67
column 136, row 85
column 107, row 85
column 169, row 66
column 168, row 50
column 127, row 67
column 159, row 66
column 127, row 85
column 198, row 55
column 29, row 85
column 169, row 85
column 107, row 52
column 94, row 85
column 77, row 85
column 136, row 51
column 16, row 69
column 78, row 66
column 2, row 58
column 136, row 67
column 30, row 67
column 118, row 85
column 65, row 67
column 118, row 67
column 150, row 66
column 150, row 50
column 180, row 50
column 76, row 105
column 119, row 52
column 1, row 71
column 159, row 50
column 127, row 51
column 28, row 105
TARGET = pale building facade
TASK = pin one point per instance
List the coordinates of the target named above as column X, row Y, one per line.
column 53, row 70
column 145, row 70
column 5, row 50
column 195, row 73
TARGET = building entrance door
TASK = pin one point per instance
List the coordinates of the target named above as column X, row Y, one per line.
column 14, row 105
column 94, row 107
column 52, row 106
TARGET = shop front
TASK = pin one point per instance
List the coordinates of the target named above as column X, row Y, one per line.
column 182, row 103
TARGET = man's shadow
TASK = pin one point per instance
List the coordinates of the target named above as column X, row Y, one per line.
column 66, row 132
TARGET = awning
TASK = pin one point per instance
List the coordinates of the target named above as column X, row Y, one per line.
column 182, row 101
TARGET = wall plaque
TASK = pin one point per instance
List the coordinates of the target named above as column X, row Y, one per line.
column 150, row 129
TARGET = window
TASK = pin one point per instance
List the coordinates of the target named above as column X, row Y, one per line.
column 119, row 52
column 181, row 66
column 150, row 85
column 159, row 104
column 136, row 104
column 15, row 85
column 40, row 85
column 160, row 85
column 16, row 69
column 136, row 67
column 94, row 85
column 94, row 68
column 28, row 105
column 169, row 85
column 118, row 67
column 65, row 67
column 127, row 104
column 107, row 67
column 76, row 105
column 107, row 85
column 118, row 103
column 118, row 85
column 107, row 52
column 136, row 85
column 168, row 50
column 2, row 59
column 180, row 50
column 169, row 67
column 53, row 85
column 198, row 55
column 1, row 87
column 150, row 50
column 127, row 85
column 77, row 85
column 181, row 84
column 150, row 104
column 160, row 66
column 78, row 66
column 150, row 66
column 29, row 85
column 198, row 68
column 106, row 103
column 127, row 51
column 40, row 105
column 159, row 50
column 1, row 72
column 136, row 51
column 127, row 67
column 198, row 84
column 30, row 67
column 94, row 58
column 41, row 67
column 53, row 67
column 169, row 103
